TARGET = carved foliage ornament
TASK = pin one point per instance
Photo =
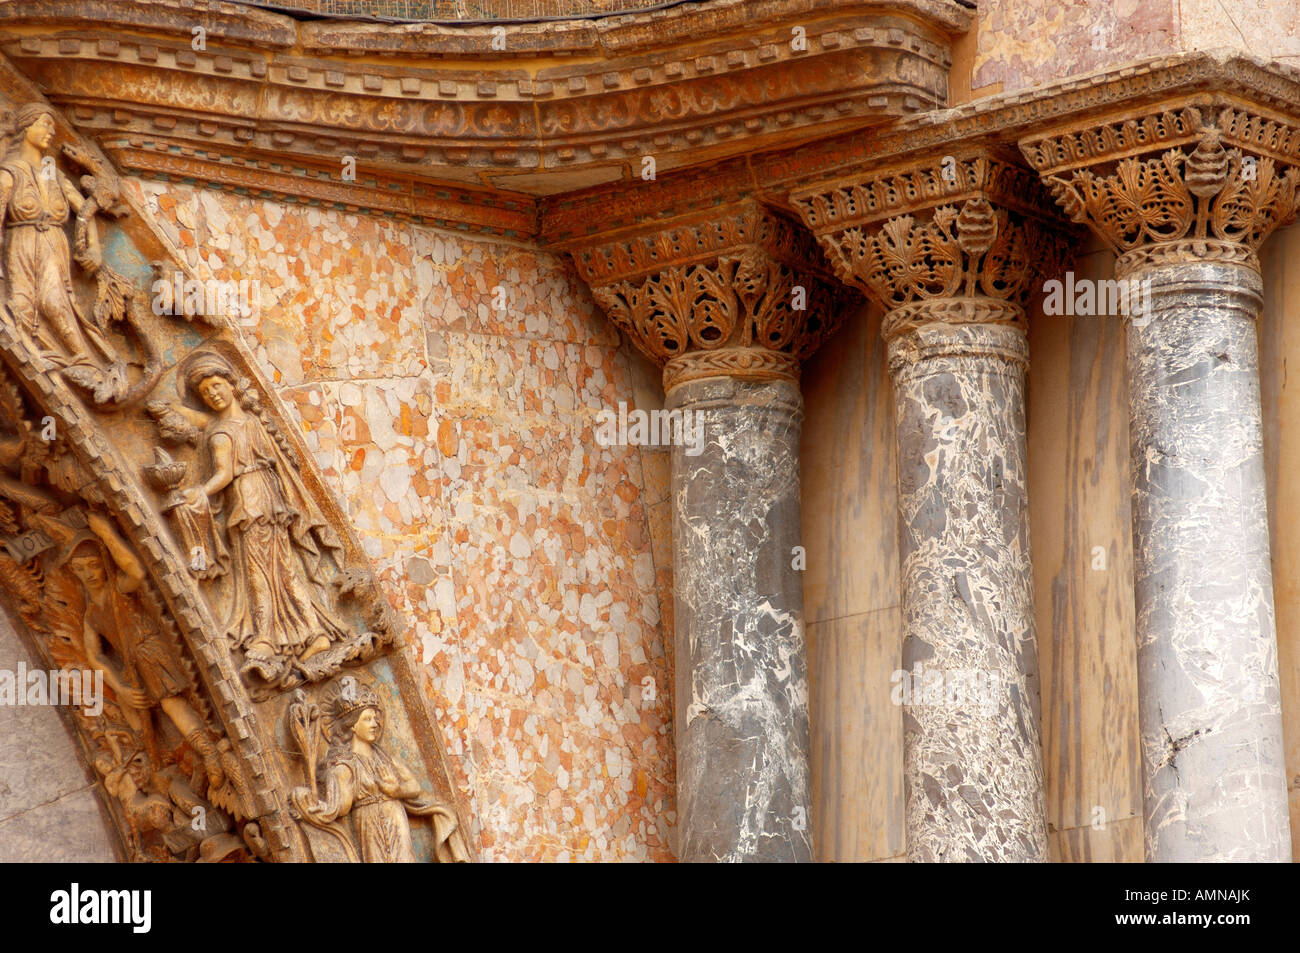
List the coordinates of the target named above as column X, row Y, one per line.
column 717, row 289
column 968, row 228
column 974, row 250
column 1223, row 201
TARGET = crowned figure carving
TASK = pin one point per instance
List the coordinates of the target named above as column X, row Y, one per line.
column 350, row 777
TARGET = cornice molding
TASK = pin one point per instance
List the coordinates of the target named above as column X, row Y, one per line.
column 564, row 105
column 1205, row 79
column 402, row 197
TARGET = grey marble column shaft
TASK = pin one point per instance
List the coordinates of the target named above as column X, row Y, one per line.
column 743, row 791
column 1209, row 704
column 972, row 757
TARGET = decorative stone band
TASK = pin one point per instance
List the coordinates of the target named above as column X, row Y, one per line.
column 537, row 108
column 737, row 292
column 978, row 328
column 1184, row 252
column 1193, row 181
column 742, row 363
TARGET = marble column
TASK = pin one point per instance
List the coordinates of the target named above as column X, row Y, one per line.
column 742, row 692
column 1209, row 700
column 1214, row 774
column 972, row 755
column 951, row 255
column 729, row 302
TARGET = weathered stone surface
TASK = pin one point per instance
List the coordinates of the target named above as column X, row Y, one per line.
column 972, row 749
column 951, row 247
column 72, row 829
column 45, row 784
column 1207, row 650
column 742, row 689
column 1217, row 178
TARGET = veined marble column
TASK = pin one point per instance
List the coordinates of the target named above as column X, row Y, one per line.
column 730, row 302
column 952, row 255
column 973, row 763
column 742, row 691
column 1214, row 773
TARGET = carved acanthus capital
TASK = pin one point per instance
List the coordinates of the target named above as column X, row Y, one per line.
column 1188, row 182
column 735, row 292
column 950, row 241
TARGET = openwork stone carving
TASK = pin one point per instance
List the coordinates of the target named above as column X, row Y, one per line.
column 1184, row 184
column 970, row 228
column 952, row 249
column 1185, row 193
column 740, row 292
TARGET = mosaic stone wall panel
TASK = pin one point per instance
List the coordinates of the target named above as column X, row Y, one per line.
column 534, row 564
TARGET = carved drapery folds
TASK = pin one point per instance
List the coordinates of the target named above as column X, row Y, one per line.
column 736, row 292
column 1186, row 183
column 164, row 533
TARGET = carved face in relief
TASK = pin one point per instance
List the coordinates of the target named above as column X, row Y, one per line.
column 88, row 566
column 139, row 771
column 216, row 392
column 41, row 133
column 367, row 726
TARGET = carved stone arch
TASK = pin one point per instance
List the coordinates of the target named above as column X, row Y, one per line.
column 183, row 548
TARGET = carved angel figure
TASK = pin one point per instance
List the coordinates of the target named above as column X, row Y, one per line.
column 143, row 671
column 276, row 532
column 35, row 202
column 366, row 784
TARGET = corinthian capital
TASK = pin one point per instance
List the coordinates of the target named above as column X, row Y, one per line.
column 1198, row 181
column 737, row 291
column 948, row 240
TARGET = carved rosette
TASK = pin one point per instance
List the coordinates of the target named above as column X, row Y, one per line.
column 1202, row 182
column 953, row 241
column 740, row 292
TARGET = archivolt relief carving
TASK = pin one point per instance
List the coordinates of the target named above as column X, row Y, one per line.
column 163, row 533
column 178, row 792
column 253, row 532
column 36, row 200
column 357, row 795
